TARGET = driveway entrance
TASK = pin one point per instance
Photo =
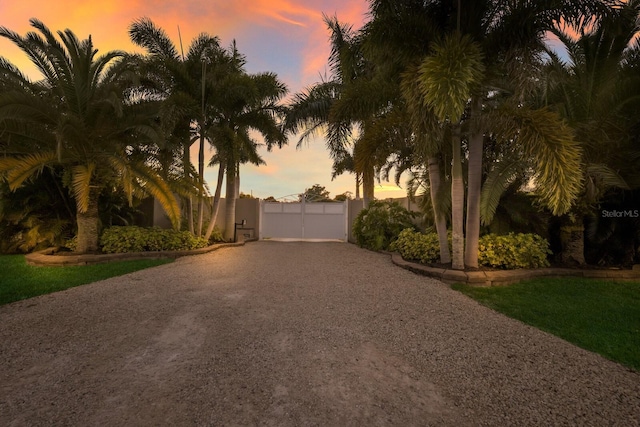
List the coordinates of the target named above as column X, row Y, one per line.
column 304, row 220
column 292, row 334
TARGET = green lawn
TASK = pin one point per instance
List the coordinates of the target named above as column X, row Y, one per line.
column 600, row 316
column 20, row 281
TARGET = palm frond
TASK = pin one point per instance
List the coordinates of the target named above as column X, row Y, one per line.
column 448, row 76
column 144, row 33
column 81, row 184
column 158, row 188
column 500, row 178
column 17, row 169
column 549, row 141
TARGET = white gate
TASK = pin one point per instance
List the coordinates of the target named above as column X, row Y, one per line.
column 305, row 220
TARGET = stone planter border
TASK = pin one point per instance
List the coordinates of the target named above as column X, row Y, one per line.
column 507, row 277
column 49, row 258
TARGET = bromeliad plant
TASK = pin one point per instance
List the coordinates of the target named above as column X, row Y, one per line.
column 76, row 117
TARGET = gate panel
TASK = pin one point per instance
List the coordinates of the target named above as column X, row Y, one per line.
column 303, row 220
column 325, row 221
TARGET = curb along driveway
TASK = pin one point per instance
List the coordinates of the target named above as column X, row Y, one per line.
column 292, row 334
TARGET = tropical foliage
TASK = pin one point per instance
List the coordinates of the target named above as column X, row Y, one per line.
column 522, row 250
column 79, row 118
column 138, row 239
column 377, row 226
column 494, row 111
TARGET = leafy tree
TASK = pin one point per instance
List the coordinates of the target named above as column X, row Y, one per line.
column 346, row 120
column 77, row 117
column 347, row 195
column 316, row 193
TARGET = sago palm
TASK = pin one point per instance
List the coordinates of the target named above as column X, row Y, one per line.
column 76, row 117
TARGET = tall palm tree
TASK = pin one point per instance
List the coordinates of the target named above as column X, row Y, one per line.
column 251, row 103
column 187, row 85
column 511, row 35
column 341, row 106
column 76, row 117
column 399, row 35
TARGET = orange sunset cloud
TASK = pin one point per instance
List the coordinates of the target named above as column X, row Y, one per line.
column 288, row 37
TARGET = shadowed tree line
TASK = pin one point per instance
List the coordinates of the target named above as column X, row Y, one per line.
column 96, row 130
column 497, row 129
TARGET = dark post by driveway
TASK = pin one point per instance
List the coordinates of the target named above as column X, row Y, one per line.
column 292, row 334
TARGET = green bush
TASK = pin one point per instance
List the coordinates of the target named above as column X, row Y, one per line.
column 138, row 239
column 380, row 224
column 508, row 252
column 513, row 251
column 415, row 246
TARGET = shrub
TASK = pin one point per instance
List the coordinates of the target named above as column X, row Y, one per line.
column 415, row 246
column 138, row 239
column 509, row 252
column 513, row 251
column 216, row 236
column 380, row 224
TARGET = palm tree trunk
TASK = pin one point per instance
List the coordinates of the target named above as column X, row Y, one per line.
column 358, row 186
column 238, row 182
column 368, row 185
column 439, row 219
column 474, row 184
column 572, row 243
column 88, row 225
column 201, row 179
column 230, row 208
column 216, row 202
column 186, row 164
column 457, row 202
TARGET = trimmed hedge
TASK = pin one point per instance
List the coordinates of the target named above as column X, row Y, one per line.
column 138, row 239
column 507, row 252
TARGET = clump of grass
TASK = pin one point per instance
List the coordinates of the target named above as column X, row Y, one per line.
column 600, row 316
column 19, row 280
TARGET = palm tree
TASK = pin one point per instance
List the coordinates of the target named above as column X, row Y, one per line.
column 187, row 85
column 342, row 106
column 76, row 117
column 250, row 103
column 510, row 53
column 596, row 90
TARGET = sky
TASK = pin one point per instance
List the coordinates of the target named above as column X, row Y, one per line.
column 288, row 37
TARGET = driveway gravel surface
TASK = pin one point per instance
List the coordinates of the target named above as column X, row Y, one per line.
column 292, row 334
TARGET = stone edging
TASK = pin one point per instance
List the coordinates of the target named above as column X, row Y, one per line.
column 497, row 278
column 47, row 257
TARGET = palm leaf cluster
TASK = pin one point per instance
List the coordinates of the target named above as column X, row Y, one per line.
column 124, row 124
column 470, row 92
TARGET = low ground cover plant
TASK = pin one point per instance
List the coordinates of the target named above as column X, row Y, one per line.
column 138, row 239
column 20, row 281
column 507, row 252
column 596, row 315
column 377, row 226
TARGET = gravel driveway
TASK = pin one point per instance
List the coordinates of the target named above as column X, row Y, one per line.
column 292, row 334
